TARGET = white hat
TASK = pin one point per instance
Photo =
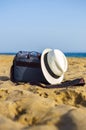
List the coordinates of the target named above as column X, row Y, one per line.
column 54, row 64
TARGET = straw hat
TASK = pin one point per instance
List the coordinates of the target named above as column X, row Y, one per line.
column 54, row 64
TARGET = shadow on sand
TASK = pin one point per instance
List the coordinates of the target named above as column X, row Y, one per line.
column 66, row 122
column 4, row 78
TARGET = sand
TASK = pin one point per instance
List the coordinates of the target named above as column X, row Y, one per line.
column 31, row 107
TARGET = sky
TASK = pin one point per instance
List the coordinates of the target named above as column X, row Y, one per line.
column 33, row 25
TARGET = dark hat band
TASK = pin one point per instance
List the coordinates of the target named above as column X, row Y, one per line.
column 48, row 68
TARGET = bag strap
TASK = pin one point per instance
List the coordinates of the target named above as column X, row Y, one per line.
column 69, row 83
column 66, row 84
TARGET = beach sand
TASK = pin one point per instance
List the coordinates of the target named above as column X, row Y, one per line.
column 31, row 107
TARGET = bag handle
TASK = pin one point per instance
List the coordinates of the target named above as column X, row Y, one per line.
column 35, row 54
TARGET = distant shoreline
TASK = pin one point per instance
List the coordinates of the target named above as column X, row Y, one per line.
column 68, row 54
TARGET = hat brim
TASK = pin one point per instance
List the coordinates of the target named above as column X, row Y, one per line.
column 47, row 75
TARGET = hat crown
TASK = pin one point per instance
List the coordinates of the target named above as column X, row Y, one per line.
column 57, row 62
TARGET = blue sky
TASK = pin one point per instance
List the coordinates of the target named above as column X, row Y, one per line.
column 38, row 24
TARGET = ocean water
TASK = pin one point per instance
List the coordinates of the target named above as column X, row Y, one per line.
column 68, row 54
column 75, row 54
column 7, row 53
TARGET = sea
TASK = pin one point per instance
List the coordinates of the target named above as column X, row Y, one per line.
column 75, row 54
column 68, row 54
